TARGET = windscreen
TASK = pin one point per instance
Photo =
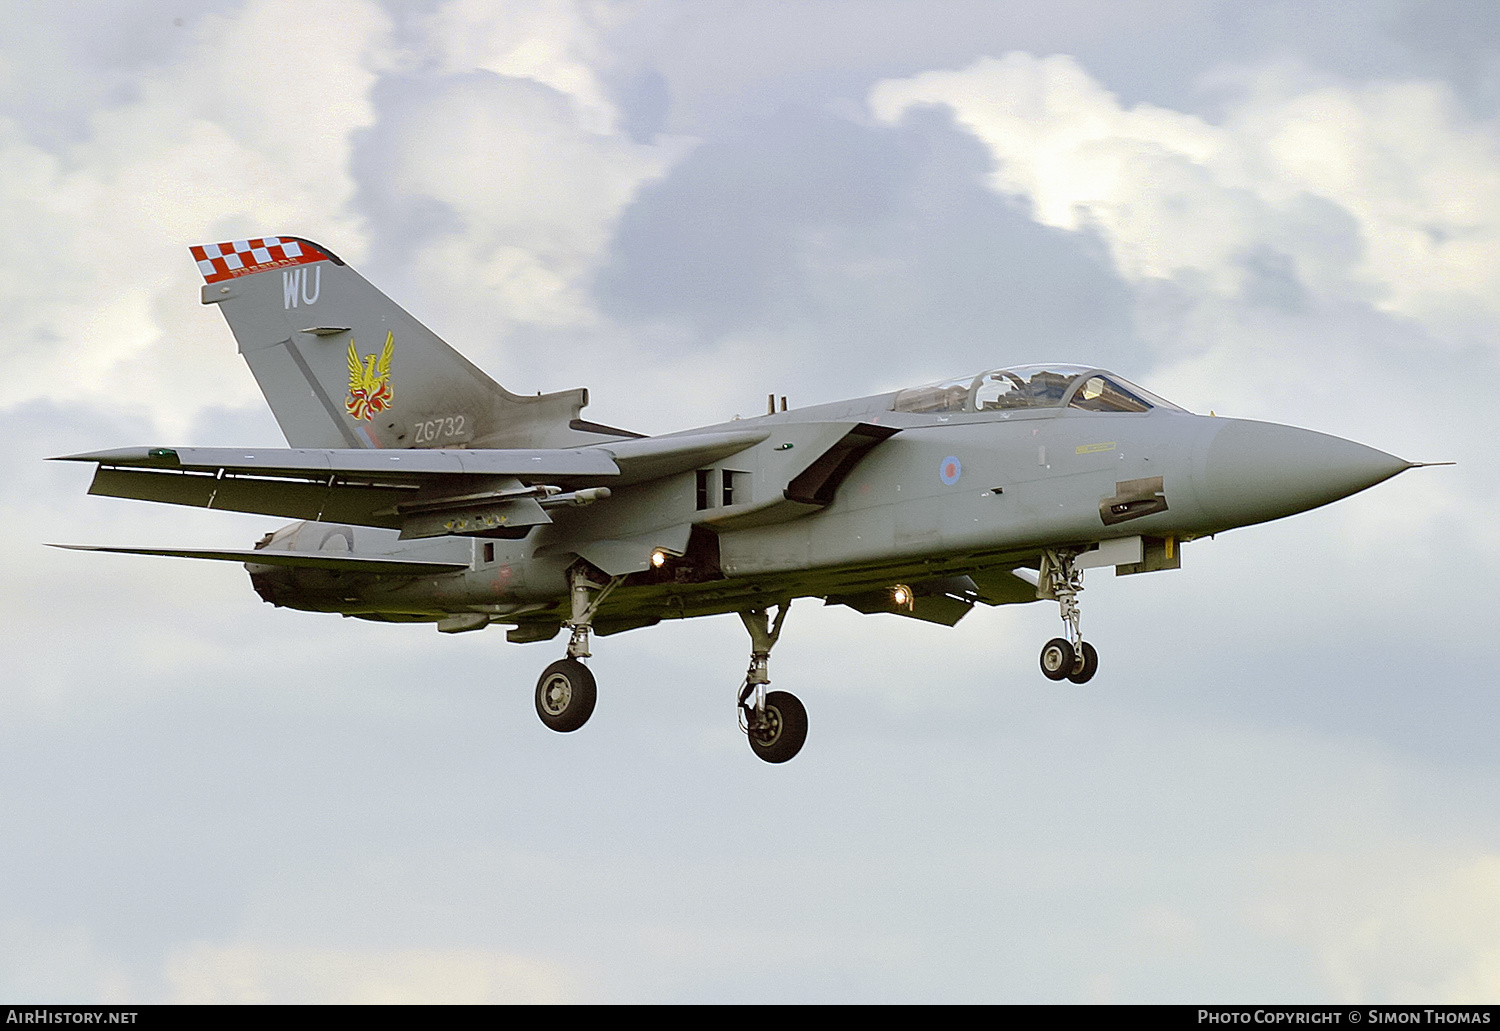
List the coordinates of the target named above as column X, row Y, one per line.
column 1030, row 387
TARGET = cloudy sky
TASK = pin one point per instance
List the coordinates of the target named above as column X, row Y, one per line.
column 1284, row 784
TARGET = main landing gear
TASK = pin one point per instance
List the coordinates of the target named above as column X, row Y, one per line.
column 774, row 721
column 565, row 693
column 1069, row 657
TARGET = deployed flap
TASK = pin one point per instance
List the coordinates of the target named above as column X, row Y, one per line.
column 300, row 559
column 290, row 498
column 342, row 365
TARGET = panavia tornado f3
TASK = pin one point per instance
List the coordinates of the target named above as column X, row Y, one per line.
column 426, row 492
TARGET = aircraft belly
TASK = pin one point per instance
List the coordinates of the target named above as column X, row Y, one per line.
column 767, row 549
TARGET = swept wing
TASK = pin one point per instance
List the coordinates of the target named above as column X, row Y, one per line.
column 392, row 488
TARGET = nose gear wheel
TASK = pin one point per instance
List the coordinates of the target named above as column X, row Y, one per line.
column 1086, row 666
column 1057, row 659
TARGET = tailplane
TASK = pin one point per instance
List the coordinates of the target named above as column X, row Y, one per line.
column 344, row 366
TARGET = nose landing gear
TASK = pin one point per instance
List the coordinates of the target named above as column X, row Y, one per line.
column 774, row 721
column 1069, row 657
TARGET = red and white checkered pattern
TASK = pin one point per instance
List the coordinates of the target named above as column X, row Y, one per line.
column 219, row 261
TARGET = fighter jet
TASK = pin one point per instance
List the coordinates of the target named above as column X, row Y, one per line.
column 426, row 492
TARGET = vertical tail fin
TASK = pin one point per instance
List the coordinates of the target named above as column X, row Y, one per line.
column 344, row 366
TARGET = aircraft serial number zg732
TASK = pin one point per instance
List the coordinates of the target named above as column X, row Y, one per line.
column 425, row 491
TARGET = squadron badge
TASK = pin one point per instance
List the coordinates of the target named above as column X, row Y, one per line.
column 370, row 383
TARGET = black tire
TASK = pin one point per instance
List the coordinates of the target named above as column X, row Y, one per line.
column 565, row 695
column 788, row 730
column 1057, row 659
column 1086, row 667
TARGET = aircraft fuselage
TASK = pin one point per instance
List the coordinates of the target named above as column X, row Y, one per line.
column 946, row 494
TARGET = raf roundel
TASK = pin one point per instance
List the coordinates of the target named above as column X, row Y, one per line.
column 950, row 470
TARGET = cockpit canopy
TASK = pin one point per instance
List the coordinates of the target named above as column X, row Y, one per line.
column 1032, row 386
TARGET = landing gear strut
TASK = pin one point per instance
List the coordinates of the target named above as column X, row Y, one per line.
column 1069, row 657
column 774, row 721
column 565, row 692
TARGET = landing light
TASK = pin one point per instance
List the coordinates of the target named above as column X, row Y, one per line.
column 901, row 596
column 658, row 558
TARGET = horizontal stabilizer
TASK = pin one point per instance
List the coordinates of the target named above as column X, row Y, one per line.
column 302, row 560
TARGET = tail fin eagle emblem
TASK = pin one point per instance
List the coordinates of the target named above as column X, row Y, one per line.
column 370, row 382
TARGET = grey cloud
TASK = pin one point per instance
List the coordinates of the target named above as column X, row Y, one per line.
column 645, row 102
column 727, row 60
column 1271, row 280
column 881, row 246
column 1458, row 41
column 401, row 220
column 65, row 61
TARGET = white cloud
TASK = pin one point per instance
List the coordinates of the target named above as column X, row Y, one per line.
column 528, row 159
column 250, row 129
column 536, row 193
column 247, row 133
column 1383, row 191
column 561, row 44
column 1401, row 924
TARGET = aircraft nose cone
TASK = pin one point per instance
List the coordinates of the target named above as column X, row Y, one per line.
column 1255, row 471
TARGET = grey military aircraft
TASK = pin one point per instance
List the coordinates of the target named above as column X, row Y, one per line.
column 426, row 492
